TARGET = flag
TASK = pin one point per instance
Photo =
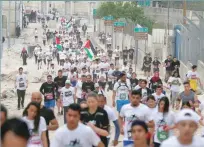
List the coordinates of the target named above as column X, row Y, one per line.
column 89, row 49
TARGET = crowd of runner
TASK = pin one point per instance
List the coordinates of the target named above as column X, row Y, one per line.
column 79, row 86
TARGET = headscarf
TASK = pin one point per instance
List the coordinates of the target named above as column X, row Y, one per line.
column 23, row 50
column 156, row 77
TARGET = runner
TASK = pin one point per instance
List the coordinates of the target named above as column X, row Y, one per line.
column 51, row 121
column 168, row 65
column 52, row 70
column 193, row 77
column 145, row 92
column 151, row 103
column 36, row 125
column 67, row 97
column 121, row 92
column 156, row 63
column 36, row 50
column 49, row 58
column 133, row 80
column 158, row 94
column 40, row 57
column 60, row 81
column 78, row 89
column 96, row 118
column 131, row 112
column 88, row 86
column 48, row 90
column 111, row 116
column 164, row 122
column 187, row 123
column 188, row 95
column 111, row 78
column 77, row 134
column 21, row 84
column 155, row 81
column 147, row 65
column 174, row 82
column 14, row 133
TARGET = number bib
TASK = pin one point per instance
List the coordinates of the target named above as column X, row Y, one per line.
column 123, row 96
column 162, row 135
column 21, row 85
column 49, row 96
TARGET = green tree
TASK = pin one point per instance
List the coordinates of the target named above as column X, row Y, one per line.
column 126, row 10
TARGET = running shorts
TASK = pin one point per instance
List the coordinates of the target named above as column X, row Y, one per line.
column 49, row 104
column 39, row 60
column 120, row 103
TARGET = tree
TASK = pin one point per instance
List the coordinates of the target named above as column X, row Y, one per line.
column 126, row 10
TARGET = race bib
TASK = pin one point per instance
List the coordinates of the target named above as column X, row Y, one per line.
column 49, row 96
column 21, row 85
column 162, row 135
column 123, row 96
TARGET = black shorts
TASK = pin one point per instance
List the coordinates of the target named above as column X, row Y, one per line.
column 36, row 36
column 39, row 60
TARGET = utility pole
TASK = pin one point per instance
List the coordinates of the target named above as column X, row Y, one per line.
column 168, row 18
column 9, row 26
column 184, row 11
column 1, row 35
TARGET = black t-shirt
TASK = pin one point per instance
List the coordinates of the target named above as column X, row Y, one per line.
column 99, row 119
column 168, row 63
column 134, row 82
column 156, row 63
column 48, row 116
column 174, row 64
column 88, row 85
column 48, row 90
column 60, row 81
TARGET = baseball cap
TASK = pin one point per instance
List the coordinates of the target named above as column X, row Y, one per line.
column 187, row 114
column 96, row 85
column 67, row 82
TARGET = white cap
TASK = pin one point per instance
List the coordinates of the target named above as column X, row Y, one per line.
column 96, row 85
column 187, row 114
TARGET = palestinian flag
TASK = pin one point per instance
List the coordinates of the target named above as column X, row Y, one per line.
column 89, row 49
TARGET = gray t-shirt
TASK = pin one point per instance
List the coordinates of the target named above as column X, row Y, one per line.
column 187, row 98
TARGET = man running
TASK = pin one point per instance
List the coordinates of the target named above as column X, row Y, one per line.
column 121, row 92
column 60, row 81
column 21, row 83
column 40, row 58
column 74, row 133
column 48, row 90
column 131, row 112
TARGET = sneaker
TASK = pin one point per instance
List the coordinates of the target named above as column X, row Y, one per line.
column 61, row 112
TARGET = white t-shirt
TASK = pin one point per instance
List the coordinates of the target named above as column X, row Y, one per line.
column 79, row 89
column 40, row 55
column 21, row 82
column 53, row 73
column 82, row 136
column 173, row 142
column 125, row 68
column 67, row 65
column 35, row 139
column 175, row 84
column 109, row 40
column 192, row 75
column 122, row 90
column 158, row 97
column 131, row 113
column 111, row 114
column 67, row 96
column 36, row 50
column 161, row 120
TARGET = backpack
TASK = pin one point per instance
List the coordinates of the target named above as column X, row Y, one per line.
column 122, row 85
